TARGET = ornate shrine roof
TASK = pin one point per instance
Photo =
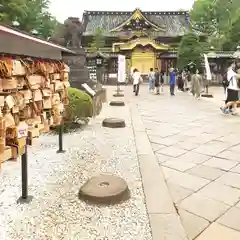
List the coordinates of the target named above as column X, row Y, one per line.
column 156, row 24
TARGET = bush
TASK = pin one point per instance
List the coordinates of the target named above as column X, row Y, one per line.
column 80, row 106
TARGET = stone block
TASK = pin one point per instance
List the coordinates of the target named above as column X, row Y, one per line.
column 166, row 227
column 203, row 207
column 206, row 172
column 219, row 232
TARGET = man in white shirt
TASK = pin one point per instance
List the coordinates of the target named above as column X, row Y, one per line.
column 137, row 79
column 232, row 91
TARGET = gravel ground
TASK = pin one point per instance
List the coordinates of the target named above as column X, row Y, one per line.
column 54, row 181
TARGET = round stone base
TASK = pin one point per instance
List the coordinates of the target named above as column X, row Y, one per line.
column 206, row 95
column 117, row 103
column 105, row 189
column 118, row 95
column 113, row 123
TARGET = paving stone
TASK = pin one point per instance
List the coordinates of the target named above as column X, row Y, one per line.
column 231, row 155
column 166, row 227
column 172, row 151
column 193, row 132
column 238, row 205
column 206, row 172
column 219, row 232
column 178, row 193
column 156, row 146
column 142, row 143
column 230, row 179
column 231, row 218
column 188, row 181
column 194, row 157
column 205, row 137
column 220, row 163
column 192, row 224
column 168, row 172
column 179, row 165
column 163, row 158
column 168, row 141
column 158, row 198
column 204, row 207
column 231, row 138
column 211, row 148
column 221, row 193
column 236, row 169
column 187, row 145
column 235, row 148
column 164, row 131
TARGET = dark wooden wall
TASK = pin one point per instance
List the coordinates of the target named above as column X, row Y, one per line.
column 19, row 46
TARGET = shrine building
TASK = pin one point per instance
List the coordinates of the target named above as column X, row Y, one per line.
column 147, row 39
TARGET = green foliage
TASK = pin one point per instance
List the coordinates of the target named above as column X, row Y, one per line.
column 30, row 15
column 80, row 106
column 233, row 39
column 98, row 41
column 216, row 18
column 190, row 50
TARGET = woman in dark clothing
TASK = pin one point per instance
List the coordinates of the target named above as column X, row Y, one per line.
column 161, row 81
column 157, row 81
column 180, row 82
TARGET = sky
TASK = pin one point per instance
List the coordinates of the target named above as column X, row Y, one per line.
column 62, row 9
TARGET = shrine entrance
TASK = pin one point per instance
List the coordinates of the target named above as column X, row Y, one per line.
column 143, row 53
column 143, row 58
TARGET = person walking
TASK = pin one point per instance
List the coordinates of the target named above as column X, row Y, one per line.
column 161, row 81
column 232, row 92
column 157, row 81
column 137, row 80
column 196, row 84
column 172, row 81
column 185, row 80
column 151, row 80
column 179, row 80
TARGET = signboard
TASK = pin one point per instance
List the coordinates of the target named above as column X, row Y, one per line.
column 88, row 89
column 121, row 68
column 207, row 68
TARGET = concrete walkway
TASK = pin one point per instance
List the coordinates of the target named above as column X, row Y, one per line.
column 189, row 160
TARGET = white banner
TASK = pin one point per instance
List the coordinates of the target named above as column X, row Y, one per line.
column 121, row 68
column 207, row 68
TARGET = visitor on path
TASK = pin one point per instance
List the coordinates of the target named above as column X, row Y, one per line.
column 225, row 84
column 161, row 81
column 232, row 91
column 151, row 80
column 196, row 84
column 137, row 80
column 157, row 81
column 185, row 80
column 180, row 83
column 172, row 81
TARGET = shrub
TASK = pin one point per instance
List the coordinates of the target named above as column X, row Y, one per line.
column 80, row 106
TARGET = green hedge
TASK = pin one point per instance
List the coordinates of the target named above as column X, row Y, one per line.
column 80, row 106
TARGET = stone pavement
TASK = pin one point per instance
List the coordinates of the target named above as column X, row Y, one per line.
column 193, row 155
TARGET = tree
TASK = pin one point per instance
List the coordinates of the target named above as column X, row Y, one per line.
column 216, row 18
column 98, row 41
column 12, row 10
column 30, row 15
column 190, row 50
column 233, row 39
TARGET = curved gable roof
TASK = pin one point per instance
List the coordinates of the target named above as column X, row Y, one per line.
column 174, row 23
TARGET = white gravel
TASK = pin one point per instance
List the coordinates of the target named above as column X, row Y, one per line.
column 54, row 181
